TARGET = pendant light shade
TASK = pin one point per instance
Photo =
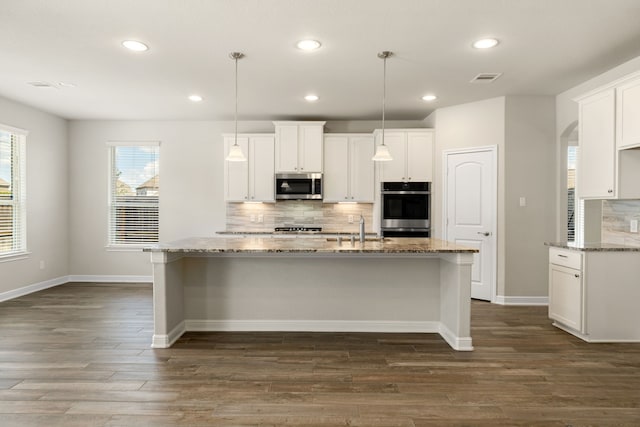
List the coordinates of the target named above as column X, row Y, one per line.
column 382, row 153
column 235, row 152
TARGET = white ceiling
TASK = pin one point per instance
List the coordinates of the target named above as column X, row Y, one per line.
column 547, row 46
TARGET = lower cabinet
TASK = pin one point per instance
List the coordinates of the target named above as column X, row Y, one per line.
column 593, row 293
column 565, row 296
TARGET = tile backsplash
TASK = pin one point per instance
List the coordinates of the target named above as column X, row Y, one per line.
column 616, row 215
column 329, row 216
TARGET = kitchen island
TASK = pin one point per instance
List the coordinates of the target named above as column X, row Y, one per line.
column 317, row 285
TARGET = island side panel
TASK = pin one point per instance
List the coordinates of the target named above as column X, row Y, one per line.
column 313, row 293
column 168, row 299
column 455, row 300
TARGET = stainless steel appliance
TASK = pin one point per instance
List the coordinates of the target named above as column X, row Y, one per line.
column 406, row 209
column 299, row 186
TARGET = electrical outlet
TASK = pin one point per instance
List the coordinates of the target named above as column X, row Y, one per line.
column 350, row 219
column 523, row 201
column 260, row 218
column 252, row 218
column 633, row 225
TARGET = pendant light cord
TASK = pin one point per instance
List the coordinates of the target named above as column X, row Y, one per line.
column 384, row 92
column 236, row 114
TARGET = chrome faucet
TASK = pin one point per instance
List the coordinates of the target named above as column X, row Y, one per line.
column 361, row 229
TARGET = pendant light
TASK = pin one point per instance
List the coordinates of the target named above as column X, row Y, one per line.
column 235, row 152
column 382, row 151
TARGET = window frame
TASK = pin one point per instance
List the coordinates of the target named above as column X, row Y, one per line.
column 19, row 193
column 112, row 243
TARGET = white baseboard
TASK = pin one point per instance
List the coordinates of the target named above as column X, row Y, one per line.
column 505, row 300
column 310, row 326
column 457, row 343
column 29, row 289
column 110, row 278
column 166, row 341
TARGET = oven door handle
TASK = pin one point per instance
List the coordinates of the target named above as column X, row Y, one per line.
column 405, row 192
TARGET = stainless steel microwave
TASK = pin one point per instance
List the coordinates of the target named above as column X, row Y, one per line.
column 299, row 186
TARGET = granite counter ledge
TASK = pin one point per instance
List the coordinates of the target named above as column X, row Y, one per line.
column 257, row 245
column 263, row 284
column 593, row 247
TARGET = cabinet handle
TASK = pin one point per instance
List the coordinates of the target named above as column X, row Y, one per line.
column 609, row 191
column 563, row 256
column 577, row 275
column 352, row 197
column 484, row 233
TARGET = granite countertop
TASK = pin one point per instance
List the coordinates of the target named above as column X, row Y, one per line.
column 593, row 247
column 320, row 246
column 293, row 233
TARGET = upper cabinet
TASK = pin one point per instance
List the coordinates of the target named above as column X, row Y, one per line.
column 252, row 180
column 348, row 168
column 412, row 152
column 596, row 178
column 609, row 137
column 628, row 118
column 298, row 146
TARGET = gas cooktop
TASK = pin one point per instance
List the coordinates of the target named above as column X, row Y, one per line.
column 297, row 229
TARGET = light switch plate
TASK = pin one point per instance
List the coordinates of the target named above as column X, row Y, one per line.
column 633, row 225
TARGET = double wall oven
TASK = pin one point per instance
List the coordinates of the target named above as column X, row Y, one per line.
column 406, row 209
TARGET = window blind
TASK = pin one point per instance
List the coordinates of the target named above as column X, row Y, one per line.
column 13, row 224
column 134, row 190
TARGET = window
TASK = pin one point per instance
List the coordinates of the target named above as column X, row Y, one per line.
column 571, row 192
column 13, row 227
column 134, row 185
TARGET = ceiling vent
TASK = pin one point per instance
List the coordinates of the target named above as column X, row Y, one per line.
column 42, row 84
column 485, row 78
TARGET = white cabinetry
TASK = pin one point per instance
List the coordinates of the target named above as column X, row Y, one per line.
column 596, row 177
column 593, row 294
column 252, row 180
column 298, row 146
column 565, row 288
column 609, row 135
column 628, row 117
column 348, row 168
column 412, row 152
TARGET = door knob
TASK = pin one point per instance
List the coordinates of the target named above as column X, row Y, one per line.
column 484, row 233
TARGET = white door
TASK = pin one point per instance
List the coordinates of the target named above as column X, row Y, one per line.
column 470, row 212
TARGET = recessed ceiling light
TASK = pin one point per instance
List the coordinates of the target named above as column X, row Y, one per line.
column 485, row 43
column 134, row 45
column 308, row 44
column 429, row 98
column 66, row 84
column 195, row 98
column 312, row 98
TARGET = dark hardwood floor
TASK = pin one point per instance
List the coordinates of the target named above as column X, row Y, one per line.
column 79, row 355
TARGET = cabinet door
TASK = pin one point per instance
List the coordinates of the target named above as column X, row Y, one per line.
column 395, row 170
column 236, row 174
column 261, row 170
column 420, row 156
column 287, row 148
column 310, row 148
column 628, row 115
column 336, row 174
column 361, row 169
column 597, row 146
column 565, row 296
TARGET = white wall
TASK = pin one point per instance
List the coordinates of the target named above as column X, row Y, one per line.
column 529, row 172
column 191, row 189
column 47, row 197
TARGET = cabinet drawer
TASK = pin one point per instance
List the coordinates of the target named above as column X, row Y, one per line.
column 565, row 258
